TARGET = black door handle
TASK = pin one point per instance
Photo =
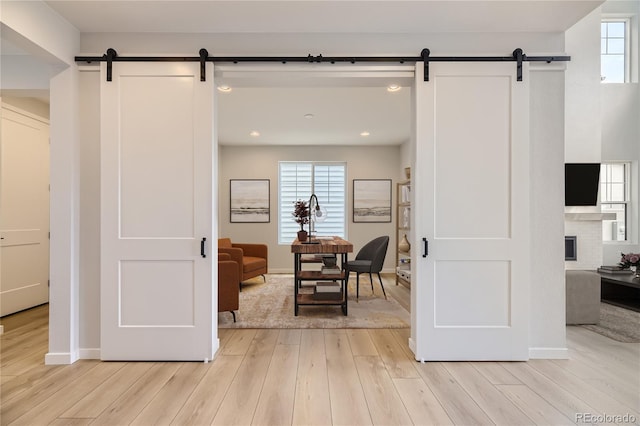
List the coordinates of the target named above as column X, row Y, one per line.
column 425, row 251
column 202, row 247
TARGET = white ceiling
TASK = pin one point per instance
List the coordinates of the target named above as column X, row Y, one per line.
column 323, row 16
column 342, row 107
column 339, row 115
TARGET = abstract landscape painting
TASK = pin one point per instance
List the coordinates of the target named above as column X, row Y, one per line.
column 249, row 200
column 372, row 200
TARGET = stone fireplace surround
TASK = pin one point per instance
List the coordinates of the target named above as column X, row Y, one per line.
column 586, row 224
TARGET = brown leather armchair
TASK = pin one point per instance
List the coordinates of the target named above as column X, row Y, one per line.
column 251, row 258
column 228, row 292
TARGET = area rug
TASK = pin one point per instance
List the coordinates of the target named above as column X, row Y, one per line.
column 270, row 305
column 617, row 323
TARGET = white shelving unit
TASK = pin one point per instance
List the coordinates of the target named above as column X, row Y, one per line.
column 403, row 227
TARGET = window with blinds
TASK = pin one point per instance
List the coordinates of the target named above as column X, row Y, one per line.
column 298, row 180
column 615, row 198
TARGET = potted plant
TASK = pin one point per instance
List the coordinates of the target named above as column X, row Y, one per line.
column 301, row 216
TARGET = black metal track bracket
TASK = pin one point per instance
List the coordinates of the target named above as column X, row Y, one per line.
column 425, row 59
column 519, row 56
column 110, row 56
column 203, row 64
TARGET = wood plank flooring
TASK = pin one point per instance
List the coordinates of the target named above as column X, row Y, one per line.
column 315, row 377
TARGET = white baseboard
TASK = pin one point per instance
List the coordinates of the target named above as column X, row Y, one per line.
column 412, row 345
column 90, row 353
column 548, row 353
column 94, row 353
column 215, row 349
column 60, row 358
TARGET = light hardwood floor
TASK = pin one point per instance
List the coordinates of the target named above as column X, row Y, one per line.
column 315, row 377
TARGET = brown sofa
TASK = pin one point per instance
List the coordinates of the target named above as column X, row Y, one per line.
column 228, row 292
column 251, row 258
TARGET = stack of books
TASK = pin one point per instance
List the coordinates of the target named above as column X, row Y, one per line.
column 328, row 290
column 613, row 269
column 331, row 270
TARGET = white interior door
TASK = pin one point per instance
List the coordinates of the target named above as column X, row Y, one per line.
column 24, row 211
column 156, row 193
column 472, row 206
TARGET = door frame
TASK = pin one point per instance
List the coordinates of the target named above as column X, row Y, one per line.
column 64, row 266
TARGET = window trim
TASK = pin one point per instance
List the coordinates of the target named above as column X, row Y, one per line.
column 627, row 47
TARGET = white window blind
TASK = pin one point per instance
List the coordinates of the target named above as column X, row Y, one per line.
column 298, row 180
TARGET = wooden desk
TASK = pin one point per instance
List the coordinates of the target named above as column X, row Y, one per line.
column 325, row 245
column 620, row 290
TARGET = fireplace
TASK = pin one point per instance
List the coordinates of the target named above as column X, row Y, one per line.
column 571, row 248
column 584, row 226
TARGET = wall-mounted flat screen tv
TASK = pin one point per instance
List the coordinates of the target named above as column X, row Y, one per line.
column 581, row 181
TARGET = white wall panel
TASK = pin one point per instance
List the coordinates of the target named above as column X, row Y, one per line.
column 151, row 155
column 472, row 158
column 157, row 293
column 472, row 294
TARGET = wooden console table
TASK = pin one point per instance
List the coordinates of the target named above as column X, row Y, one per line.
column 321, row 245
column 620, row 290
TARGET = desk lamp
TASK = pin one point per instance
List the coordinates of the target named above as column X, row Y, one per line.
column 316, row 214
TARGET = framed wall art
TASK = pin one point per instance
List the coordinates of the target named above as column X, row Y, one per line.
column 249, row 200
column 372, row 200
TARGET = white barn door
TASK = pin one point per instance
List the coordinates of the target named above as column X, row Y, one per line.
column 24, row 211
column 472, row 206
column 157, row 140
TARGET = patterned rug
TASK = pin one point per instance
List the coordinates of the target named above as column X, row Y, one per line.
column 270, row 305
column 617, row 323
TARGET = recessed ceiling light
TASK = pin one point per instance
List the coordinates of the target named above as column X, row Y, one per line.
column 365, row 133
column 225, row 89
column 393, row 88
column 308, row 116
column 254, row 133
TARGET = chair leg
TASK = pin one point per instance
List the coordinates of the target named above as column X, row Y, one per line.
column 357, row 285
column 264, row 278
column 234, row 316
column 371, row 281
column 381, row 285
column 240, row 285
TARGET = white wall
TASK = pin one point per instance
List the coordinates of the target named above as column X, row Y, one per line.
column 248, row 44
column 582, row 118
column 621, row 142
column 547, row 292
column 64, row 315
column 254, row 162
column 89, row 257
